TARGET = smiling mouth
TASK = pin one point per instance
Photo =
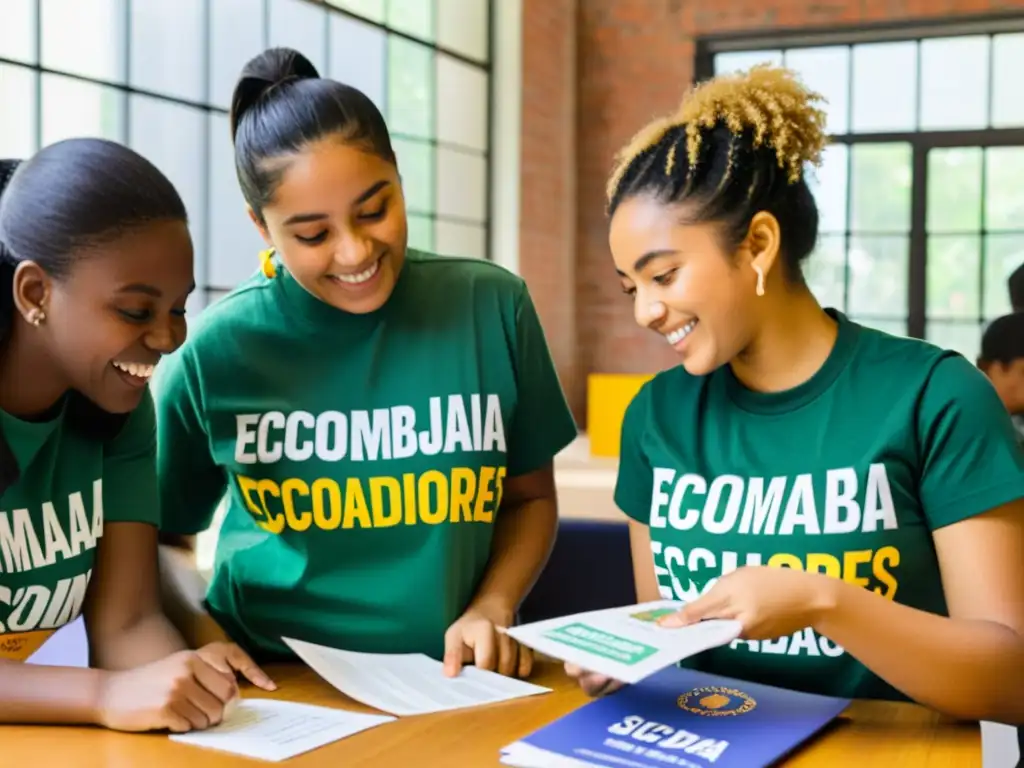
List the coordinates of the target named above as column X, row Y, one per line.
column 134, row 374
column 359, row 278
column 676, row 336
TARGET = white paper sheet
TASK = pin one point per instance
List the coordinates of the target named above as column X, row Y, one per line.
column 520, row 755
column 267, row 729
column 624, row 643
column 408, row 684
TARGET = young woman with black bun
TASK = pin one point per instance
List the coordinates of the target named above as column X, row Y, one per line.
column 383, row 420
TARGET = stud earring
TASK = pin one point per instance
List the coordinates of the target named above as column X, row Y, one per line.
column 760, row 281
column 36, row 316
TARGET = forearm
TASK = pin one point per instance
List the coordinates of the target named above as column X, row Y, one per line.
column 35, row 694
column 148, row 639
column 183, row 590
column 967, row 669
column 523, row 538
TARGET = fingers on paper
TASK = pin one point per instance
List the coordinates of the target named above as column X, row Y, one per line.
column 214, row 682
column 242, row 662
column 199, row 706
column 177, row 722
column 508, row 655
column 597, row 685
column 525, row 662
column 486, row 654
column 592, row 683
column 454, row 652
column 711, row 605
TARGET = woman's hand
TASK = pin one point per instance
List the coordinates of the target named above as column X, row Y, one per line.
column 179, row 693
column 592, row 683
column 769, row 602
column 475, row 639
column 229, row 659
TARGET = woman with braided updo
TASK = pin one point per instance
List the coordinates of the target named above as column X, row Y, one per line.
column 852, row 498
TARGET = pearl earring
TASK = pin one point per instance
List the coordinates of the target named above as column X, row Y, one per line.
column 36, row 316
column 760, row 281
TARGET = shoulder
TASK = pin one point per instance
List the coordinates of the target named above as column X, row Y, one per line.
column 221, row 330
column 879, row 347
column 432, row 270
column 236, row 310
column 675, row 383
column 919, row 367
column 666, row 388
column 134, row 432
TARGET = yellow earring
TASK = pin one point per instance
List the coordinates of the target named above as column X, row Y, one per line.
column 267, row 263
column 760, row 281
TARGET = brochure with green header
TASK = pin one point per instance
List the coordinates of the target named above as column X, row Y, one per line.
column 625, row 643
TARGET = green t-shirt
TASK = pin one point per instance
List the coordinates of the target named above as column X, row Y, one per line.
column 364, row 456
column 847, row 474
column 69, row 482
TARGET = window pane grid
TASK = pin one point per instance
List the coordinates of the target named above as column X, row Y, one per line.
column 434, row 39
column 917, row 186
column 106, row 86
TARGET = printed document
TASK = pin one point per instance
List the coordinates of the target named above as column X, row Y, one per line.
column 410, row 683
column 679, row 718
column 267, row 729
column 625, row 643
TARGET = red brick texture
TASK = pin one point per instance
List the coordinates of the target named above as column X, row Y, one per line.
column 594, row 71
column 548, row 200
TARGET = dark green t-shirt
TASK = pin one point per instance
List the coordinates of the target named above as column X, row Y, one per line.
column 51, row 518
column 364, row 456
column 848, row 474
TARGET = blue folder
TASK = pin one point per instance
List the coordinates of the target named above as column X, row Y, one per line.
column 679, row 717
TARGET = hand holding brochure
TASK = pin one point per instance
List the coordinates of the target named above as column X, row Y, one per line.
column 624, row 643
column 409, row 683
column 682, row 718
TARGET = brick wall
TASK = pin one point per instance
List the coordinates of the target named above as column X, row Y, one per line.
column 634, row 59
column 547, row 205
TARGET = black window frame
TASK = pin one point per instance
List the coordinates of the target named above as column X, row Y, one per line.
column 921, row 142
column 206, row 105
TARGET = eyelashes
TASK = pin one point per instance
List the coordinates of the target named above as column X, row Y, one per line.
column 666, row 277
column 370, row 216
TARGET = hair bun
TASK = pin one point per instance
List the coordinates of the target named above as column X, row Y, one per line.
column 7, row 169
column 769, row 102
column 264, row 73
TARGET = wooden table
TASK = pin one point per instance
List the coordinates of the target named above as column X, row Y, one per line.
column 869, row 734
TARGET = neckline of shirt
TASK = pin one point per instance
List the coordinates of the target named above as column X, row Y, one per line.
column 847, row 338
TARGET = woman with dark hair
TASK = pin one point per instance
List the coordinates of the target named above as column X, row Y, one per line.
column 95, row 267
column 383, row 420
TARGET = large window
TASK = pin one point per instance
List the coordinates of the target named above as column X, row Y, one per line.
column 922, row 207
column 157, row 75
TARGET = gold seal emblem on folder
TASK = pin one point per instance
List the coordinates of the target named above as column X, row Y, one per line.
column 716, row 701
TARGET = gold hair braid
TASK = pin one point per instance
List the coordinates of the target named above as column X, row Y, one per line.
column 770, row 102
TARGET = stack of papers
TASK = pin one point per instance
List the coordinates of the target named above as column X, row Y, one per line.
column 401, row 684
column 626, row 643
column 267, row 729
column 408, row 684
column 681, row 718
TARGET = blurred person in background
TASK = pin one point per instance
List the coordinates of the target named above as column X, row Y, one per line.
column 1016, row 287
column 383, row 420
column 1002, row 360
